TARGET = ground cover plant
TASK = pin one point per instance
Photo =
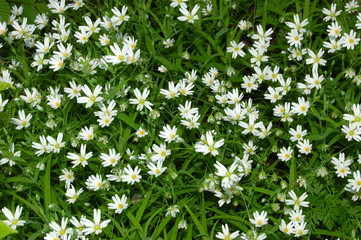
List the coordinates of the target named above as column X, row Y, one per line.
column 170, row 119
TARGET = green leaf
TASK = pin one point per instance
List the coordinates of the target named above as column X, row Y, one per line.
column 5, row 85
column 4, row 11
column 5, row 230
column 197, row 223
column 47, row 184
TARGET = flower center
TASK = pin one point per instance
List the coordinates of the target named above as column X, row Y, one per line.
column 352, row 132
column 133, row 176
column 303, row 108
column 157, row 171
column 287, row 155
column 120, row 205
column 342, row 170
column 350, row 40
column 99, row 184
column 112, row 160
column 358, row 183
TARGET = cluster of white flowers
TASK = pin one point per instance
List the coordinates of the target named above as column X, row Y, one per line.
column 56, row 45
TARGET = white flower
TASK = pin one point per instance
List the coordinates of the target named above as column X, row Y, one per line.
column 273, row 95
column 80, row 158
column 341, row 166
column 297, row 25
column 297, row 134
column 351, row 6
column 74, row 90
column 61, row 230
column 2, row 103
column 299, row 229
column 257, row 56
column 301, row 107
column 354, row 118
column 104, row 40
column 23, row 121
column 294, row 38
column 156, row 170
column 355, row 183
column 176, row 3
column 352, row 131
column 169, row 42
column 131, row 176
column 207, row 145
column 72, row 194
column 141, row 132
column 296, row 216
column 304, row 147
column 236, row 49
column 172, row 92
column 188, row 16
column 86, row 133
column 121, row 55
column 229, row 176
column 96, row 226
column 94, row 182
column 92, row 27
column 68, row 177
column 57, row 7
column 349, row 41
column 92, row 97
column 285, row 154
column 118, row 204
column 56, row 62
column 259, row 219
column 111, row 159
column 162, row 69
column 120, row 16
column 169, row 134
column 297, row 202
column 172, row 210
column 141, row 99
column 13, row 220
column 160, row 152
column 225, row 234
column 182, row 224
column 331, row 14
column 79, row 226
column 42, row 146
column 316, row 59
column 334, row 30
column 55, row 145
column 82, row 36
column 287, row 228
